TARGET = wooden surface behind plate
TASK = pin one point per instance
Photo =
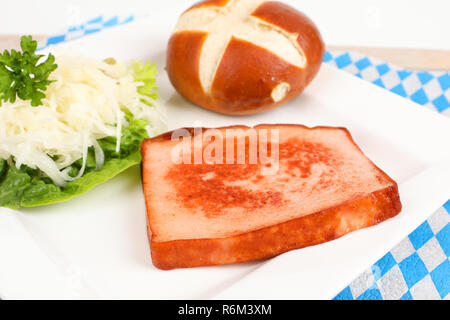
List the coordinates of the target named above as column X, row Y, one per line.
column 411, row 59
column 12, row 41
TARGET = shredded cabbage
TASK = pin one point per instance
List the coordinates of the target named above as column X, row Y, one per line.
column 87, row 101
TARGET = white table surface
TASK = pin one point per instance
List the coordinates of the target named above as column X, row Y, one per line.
column 385, row 23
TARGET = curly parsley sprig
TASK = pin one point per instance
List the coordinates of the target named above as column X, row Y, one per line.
column 21, row 75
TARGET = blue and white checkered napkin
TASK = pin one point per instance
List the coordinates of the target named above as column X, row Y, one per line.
column 419, row 266
column 92, row 26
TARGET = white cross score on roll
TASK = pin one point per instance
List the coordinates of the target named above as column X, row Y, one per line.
column 286, row 47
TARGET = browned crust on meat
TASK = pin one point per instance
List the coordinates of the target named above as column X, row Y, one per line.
column 264, row 243
column 309, row 230
column 167, row 137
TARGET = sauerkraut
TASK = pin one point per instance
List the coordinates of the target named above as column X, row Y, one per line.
column 87, row 101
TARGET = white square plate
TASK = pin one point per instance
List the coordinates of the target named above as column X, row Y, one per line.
column 95, row 246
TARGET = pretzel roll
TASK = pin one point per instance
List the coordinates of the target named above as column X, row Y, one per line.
column 243, row 56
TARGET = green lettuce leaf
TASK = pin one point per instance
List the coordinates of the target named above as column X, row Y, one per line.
column 26, row 187
column 146, row 73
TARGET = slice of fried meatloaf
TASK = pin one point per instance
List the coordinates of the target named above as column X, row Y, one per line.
column 234, row 194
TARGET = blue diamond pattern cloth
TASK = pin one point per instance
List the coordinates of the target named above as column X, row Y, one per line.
column 92, row 26
column 418, row 267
